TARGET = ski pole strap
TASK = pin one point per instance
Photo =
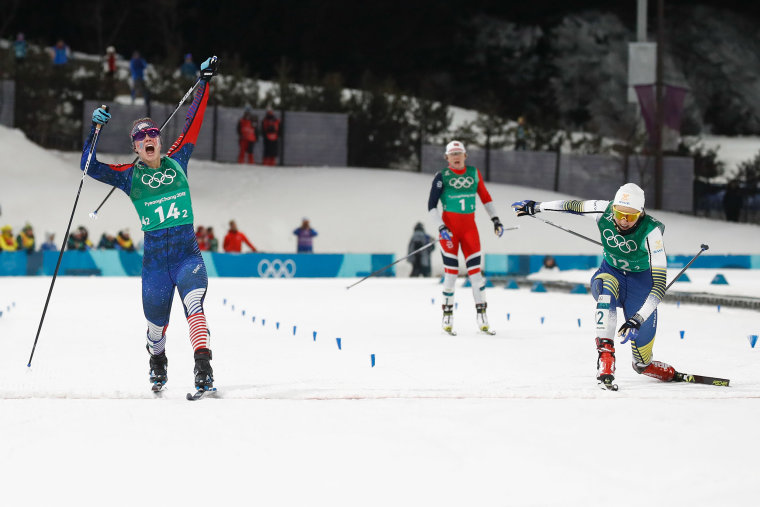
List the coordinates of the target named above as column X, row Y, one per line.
column 567, row 230
column 392, row 263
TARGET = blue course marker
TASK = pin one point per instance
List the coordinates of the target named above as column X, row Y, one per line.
column 542, row 320
column 682, row 332
column 294, row 330
column 752, row 340
column 579, row 322
column 337, row 340
column 507, row 316
column 263, row 322
column 243, row 313
column 277, row 325
column 314, row 334
column 372, row 359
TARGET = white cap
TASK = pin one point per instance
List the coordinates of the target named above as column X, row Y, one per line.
column 630, row 195
column 455, row 147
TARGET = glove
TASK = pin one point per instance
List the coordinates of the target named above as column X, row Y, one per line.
column 100, row 116
column 630, row 328
column 444, row 232
column 526, row 207
column 209, row 68
column 498, row 228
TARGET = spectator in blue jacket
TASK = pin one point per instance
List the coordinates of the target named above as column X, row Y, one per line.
column 305, row 234
column 137, row 66
column 60, row 53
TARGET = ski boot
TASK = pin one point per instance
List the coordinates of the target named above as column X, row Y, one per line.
column 204, row 374
column 605, row 365
column 158, row 365
column 448, row 319
column 482, row 318
column 661, row 371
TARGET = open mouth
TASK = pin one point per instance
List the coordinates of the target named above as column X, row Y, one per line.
column 150, row 149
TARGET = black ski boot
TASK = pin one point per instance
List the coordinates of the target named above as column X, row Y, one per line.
column 158, row 364
column 204, row 374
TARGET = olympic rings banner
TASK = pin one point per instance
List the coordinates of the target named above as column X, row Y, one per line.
column 257, row 265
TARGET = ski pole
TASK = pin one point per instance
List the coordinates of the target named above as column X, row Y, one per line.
column 404, row 258
column 701, row 249
column 567, row 230
column 94, row 214
column 66, row 236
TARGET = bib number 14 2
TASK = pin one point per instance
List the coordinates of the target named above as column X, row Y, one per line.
column 172, row 212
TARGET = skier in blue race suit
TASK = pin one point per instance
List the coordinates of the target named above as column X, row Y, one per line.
column 159, row 190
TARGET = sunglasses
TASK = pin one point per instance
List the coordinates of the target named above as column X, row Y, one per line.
column 630, row 217
column 152, row 133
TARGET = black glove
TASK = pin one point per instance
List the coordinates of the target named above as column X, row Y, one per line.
column 498, row 228
column 209, row 68
column 444, row 233
column 630, row 327
column 526, row 207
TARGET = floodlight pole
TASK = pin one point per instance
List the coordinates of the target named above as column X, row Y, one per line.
column 660, row 113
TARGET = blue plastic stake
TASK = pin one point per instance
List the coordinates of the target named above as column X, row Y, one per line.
column 507, row 316
column 678, row 304
column 315, row 335
column 579, row 322
column 243, row 313
column 432, row 301
column 542, row 320
column 338, row 341
column 277, row 325
column 253, row 319
column 263, row 322
column 224, row 301
column 456, row 306
column 372, row 360
column 682, row 333
column 752, row 340
column 233, row 308
column 294, row 330
column 718, row 308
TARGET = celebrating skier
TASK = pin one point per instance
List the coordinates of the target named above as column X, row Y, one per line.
column 159, row 190
column 456, row 187
column 632, row 275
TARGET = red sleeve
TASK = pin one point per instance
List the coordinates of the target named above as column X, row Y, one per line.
column 253, row 248
column 485, row 197
column 193, row 119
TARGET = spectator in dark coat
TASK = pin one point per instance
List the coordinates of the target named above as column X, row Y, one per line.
column 733, row 201
column 421, row 260
column 137, row 66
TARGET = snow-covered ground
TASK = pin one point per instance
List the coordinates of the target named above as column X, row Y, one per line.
column 510, row 419
column 439, row 420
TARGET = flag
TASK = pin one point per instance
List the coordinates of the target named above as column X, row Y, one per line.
column 673, row 97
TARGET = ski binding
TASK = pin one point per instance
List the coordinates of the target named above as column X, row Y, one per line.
column 201, row 393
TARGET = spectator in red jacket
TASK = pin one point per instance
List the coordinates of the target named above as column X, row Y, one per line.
column 233, row 241
column 270, row 125
column 246, row 130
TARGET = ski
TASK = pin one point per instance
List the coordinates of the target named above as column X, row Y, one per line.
column 487, row 331
column 701, row 379
column 450, row 332
column 201, row 393
column 157, row 388
column 608, row 386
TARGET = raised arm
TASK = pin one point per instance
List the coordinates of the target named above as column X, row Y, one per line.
column 117, row 175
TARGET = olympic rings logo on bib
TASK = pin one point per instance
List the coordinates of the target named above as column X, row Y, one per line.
column 461, row 182
column 617, row 241
column 277, row 268
column 158, row 178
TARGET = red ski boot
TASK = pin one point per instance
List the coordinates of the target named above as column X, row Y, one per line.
column 605, row 365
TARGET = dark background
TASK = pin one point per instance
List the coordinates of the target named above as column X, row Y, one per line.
column 402, row 40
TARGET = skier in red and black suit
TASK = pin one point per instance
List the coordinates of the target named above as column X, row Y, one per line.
column 456, row 187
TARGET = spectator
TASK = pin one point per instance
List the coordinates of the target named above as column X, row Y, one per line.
column 124, row 241
column 521, row 142
column 188, row 69
column 25, row 239
column 78, row 240
column 233, row 241
column 60, row 53
column 109, row 64
column 421, row 260
column 733, row 201
column 107, row 242
column 270, row 125
column 49, row 245
column 549, row 264
column 201, row 236
column 213, row 243
column 305, row 234
column 7, row 242
column 246, row 129
column 137, row 66
column 19, row 48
